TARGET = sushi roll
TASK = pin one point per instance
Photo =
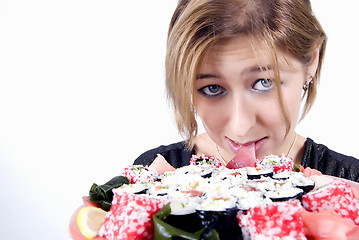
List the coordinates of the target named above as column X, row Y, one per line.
column 279, row 220
column 244, row 204
column 123, row 221
column 235, row 176
column 221, row 216
column 183, row 213
column 337, row 196
column 285, row 175
column 184, row 179
column 265, row 185
column 139, row 173
column 284, row 194
column 257, row 173
column 306, row 184
column 297, row 179
column 276, row 162
column 203, row 160
column 140, row 188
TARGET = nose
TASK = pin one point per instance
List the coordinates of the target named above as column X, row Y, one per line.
column 241, row 116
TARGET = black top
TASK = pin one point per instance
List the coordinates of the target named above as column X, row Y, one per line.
column 316, row 156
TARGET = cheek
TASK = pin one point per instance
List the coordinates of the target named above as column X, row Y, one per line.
column 270, row 114
column 271, row 123
column 293, row 101
column 275, row 120
column 212, row 115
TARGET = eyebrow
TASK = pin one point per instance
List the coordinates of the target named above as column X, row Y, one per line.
column 255, row 69
column 261, row 69
column 206, row 75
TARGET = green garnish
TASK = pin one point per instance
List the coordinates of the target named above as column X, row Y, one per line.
column 296, row 168
column 165, row 231
column 103, row 194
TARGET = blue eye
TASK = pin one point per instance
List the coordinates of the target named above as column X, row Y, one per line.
column 263, row 85
column 212, row 91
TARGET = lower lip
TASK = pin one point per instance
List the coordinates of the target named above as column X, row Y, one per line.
column 235, row 147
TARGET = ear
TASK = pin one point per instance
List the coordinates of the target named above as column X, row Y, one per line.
column 311, row 68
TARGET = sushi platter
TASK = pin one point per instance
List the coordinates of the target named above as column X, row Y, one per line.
column 206, row 200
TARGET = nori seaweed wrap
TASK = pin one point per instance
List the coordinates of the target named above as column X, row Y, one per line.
column 224, row 222
column 254, row 173
column 165, row 231
column 183, row 216
column 286, row 194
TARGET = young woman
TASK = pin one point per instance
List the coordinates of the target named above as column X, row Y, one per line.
column 245, row 68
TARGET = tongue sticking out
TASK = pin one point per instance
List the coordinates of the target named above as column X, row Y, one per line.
column 245, row 157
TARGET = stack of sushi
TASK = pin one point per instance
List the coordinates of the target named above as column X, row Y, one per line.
column 206, row 200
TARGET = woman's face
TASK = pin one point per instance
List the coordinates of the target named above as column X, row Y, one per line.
column 237, row 101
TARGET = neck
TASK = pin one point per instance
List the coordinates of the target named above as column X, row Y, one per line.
column 292, row 145
column 221, row 157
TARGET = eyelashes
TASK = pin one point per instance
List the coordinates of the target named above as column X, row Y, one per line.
column 263, row 85
column 211, row 91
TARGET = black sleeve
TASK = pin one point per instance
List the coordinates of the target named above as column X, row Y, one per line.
column 329, row 162
column 176, row 154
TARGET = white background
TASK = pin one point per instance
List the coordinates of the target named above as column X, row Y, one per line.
column 82, row 95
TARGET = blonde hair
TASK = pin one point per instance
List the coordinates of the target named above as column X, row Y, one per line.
column 198, row 25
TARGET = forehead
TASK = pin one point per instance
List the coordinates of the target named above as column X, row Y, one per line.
column 247, row 52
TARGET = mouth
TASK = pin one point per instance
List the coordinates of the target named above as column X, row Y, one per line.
column 234, row 146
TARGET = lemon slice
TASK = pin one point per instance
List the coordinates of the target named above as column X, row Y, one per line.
column 90, row 220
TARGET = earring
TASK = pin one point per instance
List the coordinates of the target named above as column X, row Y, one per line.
column 307, row 83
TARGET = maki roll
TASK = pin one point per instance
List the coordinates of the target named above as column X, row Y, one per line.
column 285, row 194
column 130, row 216
column 139, row 173
column 183, row 213
column 306, row 184
column 337, row 196
column 284, row 191
column 279, row 220
column 245, row 204
column 203, row 160
column 276, row 162
column 224, row 222
column 297, row 179
column 257, row 173
column 220, row 216
column 140, row 188
column 285, row 175
column 164, row 230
